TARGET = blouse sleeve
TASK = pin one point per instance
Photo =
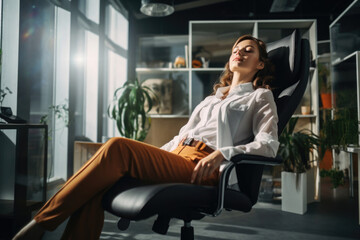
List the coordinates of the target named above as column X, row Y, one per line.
column 264, row 127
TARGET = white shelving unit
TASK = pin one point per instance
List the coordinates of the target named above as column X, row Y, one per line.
column 217, row 38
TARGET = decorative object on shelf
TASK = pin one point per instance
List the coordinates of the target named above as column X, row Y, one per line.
column 157, row 8
column 161, row 95
column 203, row 56
column 196, row 63
column 324, row 85
column 305, row 110
column 129, row 111
column 295, row 149
column 179, row 62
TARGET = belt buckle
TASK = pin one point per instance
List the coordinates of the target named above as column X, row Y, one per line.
column 188, row 141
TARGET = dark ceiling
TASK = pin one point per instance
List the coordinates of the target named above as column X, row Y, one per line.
column 325, row 11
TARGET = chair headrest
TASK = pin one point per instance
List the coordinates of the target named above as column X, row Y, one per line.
column 285, row 54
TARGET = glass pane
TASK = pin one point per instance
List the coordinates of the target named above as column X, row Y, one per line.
column 345, row 97
column 345, row 34
column 117, row 76
column 93, row 10
column 62, row 73
column 91, row 84
column 117, row 27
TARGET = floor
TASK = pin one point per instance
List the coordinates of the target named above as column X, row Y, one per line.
column 334, row 218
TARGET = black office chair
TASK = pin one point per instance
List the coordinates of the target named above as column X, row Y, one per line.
column 132, row 200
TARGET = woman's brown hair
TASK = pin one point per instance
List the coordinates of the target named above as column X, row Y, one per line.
column 262, row 78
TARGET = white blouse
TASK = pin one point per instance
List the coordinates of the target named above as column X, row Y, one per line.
column 244, row 122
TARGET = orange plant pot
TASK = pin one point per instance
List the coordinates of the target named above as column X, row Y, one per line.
column 326, row 162
column 326, row 100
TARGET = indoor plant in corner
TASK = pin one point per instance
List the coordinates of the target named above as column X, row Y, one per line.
column 129, row 110
column 296, row 149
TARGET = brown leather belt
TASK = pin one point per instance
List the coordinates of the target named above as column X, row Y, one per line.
column 198, row 144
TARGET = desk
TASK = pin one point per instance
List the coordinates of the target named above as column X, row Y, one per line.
column 24, row 147
column 355, row 149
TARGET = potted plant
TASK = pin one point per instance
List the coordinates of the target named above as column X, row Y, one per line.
column 324, row 85
column 296, row 149
column 337, row 177
column 129, row 109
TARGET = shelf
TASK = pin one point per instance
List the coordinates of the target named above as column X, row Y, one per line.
column 168, row 116
column 339, row 60
column 324, row 55
column 207, row 69
column 151, row 70
column 304, row 116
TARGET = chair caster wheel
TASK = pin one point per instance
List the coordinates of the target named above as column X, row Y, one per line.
column 187, row 233
column 123, row 224
column 161, row 225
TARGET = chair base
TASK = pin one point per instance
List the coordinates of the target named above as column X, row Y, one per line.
column 187, row 231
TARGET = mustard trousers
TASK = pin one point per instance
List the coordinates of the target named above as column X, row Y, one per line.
column 80, row 197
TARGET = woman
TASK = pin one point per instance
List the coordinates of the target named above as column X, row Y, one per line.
column 240, row 117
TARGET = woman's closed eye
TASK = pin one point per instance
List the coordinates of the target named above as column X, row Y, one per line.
column 246, row 50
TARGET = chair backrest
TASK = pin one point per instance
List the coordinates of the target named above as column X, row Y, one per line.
column 291, row 59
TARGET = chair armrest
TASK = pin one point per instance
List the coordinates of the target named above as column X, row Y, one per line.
column 256, row 159
column 240, row 159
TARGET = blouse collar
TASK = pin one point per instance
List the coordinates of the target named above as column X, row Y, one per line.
column 241, row 88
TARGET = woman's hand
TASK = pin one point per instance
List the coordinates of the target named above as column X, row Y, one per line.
column 206, row 166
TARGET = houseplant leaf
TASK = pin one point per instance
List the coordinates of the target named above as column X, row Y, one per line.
column 128, row 110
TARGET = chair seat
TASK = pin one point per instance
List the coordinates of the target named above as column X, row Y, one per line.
column 131, row 199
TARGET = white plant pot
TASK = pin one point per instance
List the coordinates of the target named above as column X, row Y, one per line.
column 341, row 160
column 294, row 192
column 311, row 184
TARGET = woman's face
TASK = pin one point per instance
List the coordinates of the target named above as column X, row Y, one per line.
column 245, row 58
